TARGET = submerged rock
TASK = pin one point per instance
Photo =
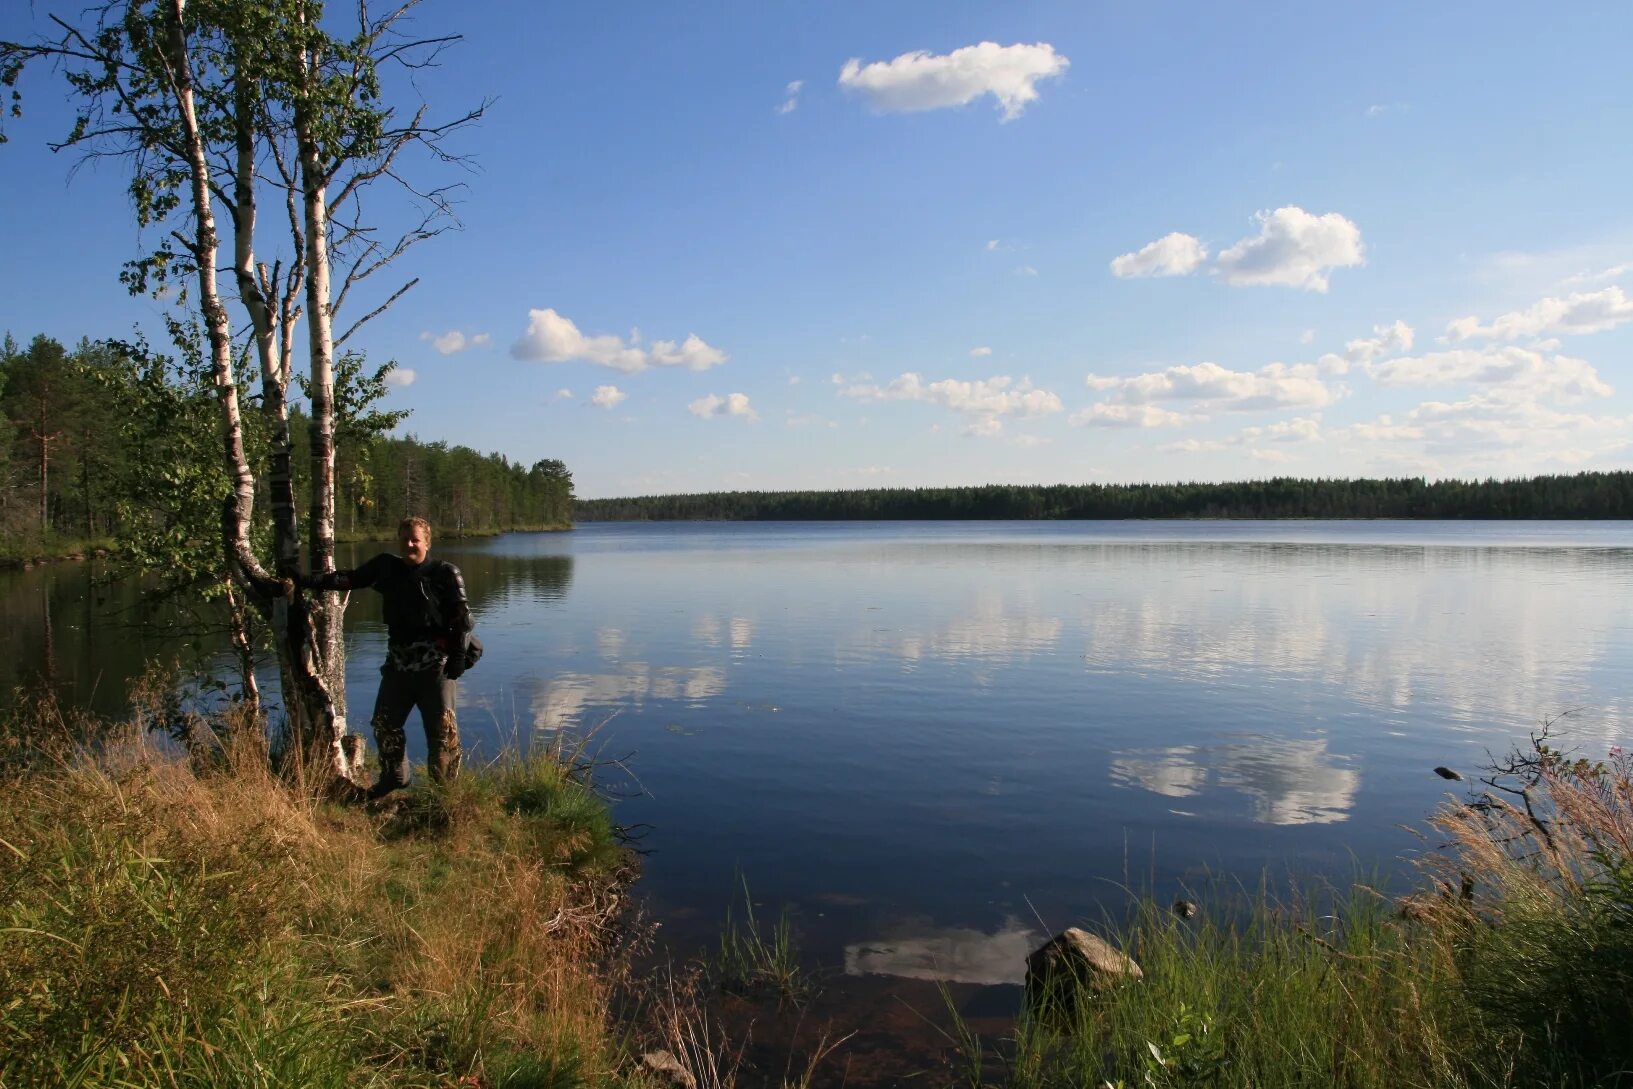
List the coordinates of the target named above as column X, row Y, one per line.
column 1185, row 909
column 1448, row 773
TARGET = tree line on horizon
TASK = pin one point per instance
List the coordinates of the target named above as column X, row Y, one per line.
column 105, row 441
column 1580, row 495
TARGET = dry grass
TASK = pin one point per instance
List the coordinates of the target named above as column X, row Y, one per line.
column 169, row 918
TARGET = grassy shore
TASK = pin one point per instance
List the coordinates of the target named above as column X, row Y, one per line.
column 36, row 548
column 1511, row 965
column 169, row 922
column 169, row 919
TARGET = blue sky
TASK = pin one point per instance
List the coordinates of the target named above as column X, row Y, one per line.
column 1018, row 242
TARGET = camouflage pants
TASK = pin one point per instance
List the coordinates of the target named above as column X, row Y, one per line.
column 400, row 692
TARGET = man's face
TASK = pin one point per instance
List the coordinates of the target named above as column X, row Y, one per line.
column 413, row 543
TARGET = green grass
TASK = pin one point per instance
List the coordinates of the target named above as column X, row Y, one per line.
column 752, row 961
column 34, row 547
column 1512, row 965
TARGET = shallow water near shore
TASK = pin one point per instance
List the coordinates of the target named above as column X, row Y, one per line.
column 934, row 741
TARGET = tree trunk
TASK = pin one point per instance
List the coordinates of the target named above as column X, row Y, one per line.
column 329, row 609
column 325, row 736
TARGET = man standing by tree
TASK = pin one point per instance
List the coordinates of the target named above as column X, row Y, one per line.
column 428, row 625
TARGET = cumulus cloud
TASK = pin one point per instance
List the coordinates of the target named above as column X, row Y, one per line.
column 1521, row 370
column 1116, row 415
column 791, row 96
column 1293, row 248
column 1385, row 340
column 925, row 81
column 1276, row 385
column 1383, row 429
column 553, row 338
column 732, row 404
column 607, row 396
column 980, row 352
column 1173, row 254
column 996, row 396
column 1589, row 312
column 454, row 341
column 562, row 395
column 1300, row 429
column 401, row 377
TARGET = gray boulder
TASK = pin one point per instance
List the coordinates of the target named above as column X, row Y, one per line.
column 1075, row 960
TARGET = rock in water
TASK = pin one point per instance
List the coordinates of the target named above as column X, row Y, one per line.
column 1076, row 956
column 1185, row 909
column 1448, row 773
column 669, row 1069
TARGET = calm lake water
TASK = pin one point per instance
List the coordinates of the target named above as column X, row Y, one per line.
column 933, row 740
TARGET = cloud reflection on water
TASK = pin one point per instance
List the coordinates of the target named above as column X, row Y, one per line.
column 950, row 954
column 562, row 701
column 1290, row 781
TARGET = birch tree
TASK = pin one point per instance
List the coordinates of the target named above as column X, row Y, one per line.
column 219, row 102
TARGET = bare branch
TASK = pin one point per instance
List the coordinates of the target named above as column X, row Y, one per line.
column 376, row 312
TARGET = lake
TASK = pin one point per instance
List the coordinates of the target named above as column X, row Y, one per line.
column 933, row 741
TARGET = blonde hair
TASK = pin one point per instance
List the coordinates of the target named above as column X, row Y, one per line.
column 414, row 521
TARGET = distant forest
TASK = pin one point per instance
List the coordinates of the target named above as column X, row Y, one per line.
column 1583, row 495
column 98, row 438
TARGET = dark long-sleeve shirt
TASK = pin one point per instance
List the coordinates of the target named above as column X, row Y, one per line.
column 423, row 603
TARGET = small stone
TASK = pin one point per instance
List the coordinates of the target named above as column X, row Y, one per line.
column 666, row 1066
column 1185, row 909
column 1448, row 773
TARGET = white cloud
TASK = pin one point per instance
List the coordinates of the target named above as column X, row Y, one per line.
column 552, row 338
column 732, row 404
column 1029, row 440
column 1385, row 340
column 1591, row 312
column 1294, row 249
column 992, row 245
column 985, row 427
column 1284, row 432
column 980, row 352
column 1520, row 370
column 791, row 96
column 1271, row 455
column 1276, row 385
column 1026, row 270
column 1195, row 446
column 401, row 377
column 1114, row 415
column 562, row 395
column 1298, row 429
column 996, row 396
column 1614, row 272
column 455, row 341
column 1307, row 337
column 1173, row 254
column 924, row 81
column 608, row 396
column 1384, row 428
